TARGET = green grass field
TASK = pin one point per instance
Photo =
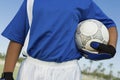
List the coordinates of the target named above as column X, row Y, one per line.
column 1, row 68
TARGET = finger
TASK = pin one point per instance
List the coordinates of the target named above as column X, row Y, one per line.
column 95, row 45
column 107, row 49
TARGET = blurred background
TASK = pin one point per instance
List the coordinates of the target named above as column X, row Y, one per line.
column 96, row 70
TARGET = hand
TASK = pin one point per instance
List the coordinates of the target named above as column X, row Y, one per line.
column 7, row 76
column 104, row 51
column 102, row 48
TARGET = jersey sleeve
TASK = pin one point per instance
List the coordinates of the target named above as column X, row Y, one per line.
column 17, row 29
column 94, row 12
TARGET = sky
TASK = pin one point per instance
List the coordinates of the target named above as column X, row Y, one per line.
column 8, row 9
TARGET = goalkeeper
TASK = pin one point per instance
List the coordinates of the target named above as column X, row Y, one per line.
column 52, row 52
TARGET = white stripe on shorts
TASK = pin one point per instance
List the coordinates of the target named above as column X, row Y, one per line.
column 33, row 69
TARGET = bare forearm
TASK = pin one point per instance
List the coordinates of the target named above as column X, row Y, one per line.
column 113, row 36
column 12, row 56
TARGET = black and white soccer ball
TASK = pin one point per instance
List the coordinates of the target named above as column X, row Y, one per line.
column 88, row 31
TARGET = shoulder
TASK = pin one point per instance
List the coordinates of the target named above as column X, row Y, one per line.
column 85, row 3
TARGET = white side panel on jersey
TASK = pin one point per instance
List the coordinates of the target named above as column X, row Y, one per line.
column 30, row 16
column 29, row 10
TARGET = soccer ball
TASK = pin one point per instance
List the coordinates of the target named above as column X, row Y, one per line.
column 88, row 31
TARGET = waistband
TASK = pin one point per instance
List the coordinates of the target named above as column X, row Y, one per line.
column 52, row 64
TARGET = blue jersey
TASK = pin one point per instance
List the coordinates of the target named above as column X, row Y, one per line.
column 52, row 33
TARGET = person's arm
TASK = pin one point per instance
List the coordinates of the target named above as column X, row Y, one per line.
column 104, row 51
column 13, row 52
column 16, row 32
column 113, row 36
column 110, row 48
